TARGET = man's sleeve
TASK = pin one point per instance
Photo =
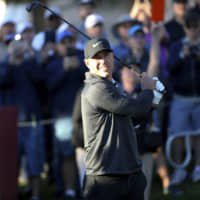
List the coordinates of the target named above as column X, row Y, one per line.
column 108, row 98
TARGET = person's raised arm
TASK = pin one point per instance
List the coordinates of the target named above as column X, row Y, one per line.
column 158, row 32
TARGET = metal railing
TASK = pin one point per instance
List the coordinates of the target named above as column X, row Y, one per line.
column 188, row 147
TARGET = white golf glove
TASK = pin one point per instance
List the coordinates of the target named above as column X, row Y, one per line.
column 158, row 91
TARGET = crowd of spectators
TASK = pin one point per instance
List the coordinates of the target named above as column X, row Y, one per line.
column 42, row 75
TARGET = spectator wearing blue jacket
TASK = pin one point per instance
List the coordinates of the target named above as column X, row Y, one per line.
column 18, row 76
column 64, row 76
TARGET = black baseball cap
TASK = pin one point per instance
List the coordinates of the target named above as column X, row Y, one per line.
column 95, row 46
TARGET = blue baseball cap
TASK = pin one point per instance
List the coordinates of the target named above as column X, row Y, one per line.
column 63, row 34
column 135, row 29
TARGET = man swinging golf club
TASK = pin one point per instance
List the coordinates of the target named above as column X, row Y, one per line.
column 113, row 167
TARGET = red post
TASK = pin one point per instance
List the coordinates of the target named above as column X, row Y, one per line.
column 8, row 153
column 158, row 10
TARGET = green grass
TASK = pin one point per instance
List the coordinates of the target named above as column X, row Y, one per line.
column 191, row 191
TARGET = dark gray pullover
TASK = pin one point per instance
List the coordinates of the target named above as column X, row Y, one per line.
column 109, row 135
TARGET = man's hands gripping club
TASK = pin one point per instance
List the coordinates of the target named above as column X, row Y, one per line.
column 152, row 84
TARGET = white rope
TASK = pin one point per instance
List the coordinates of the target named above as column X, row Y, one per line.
column 34, row 123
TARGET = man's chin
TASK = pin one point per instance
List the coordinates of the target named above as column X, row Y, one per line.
column 105, row 75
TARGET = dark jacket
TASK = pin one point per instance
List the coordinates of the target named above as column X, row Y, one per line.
column 184, row 72
column 17, row 85
column 175, row 31
column 147, row 140
column 63, row 85
column 109, row 136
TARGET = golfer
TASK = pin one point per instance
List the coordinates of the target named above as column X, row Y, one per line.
column 113, row 167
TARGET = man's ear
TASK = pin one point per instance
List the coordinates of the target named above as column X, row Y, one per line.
column 86, row 61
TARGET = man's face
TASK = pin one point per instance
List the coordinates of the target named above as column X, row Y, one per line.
column 123, row 30
column 129, row 75
column 28, row 35
column 64, row 44
column 7, row 29
column 85, row 10
column 179, row 9
column 192, row 31
column 102, row 64
column 137, row 40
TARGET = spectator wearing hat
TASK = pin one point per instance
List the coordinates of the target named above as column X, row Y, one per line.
column 7, row 28
column 7, row 32
column 64, row 27
column 139, row 50
column 94, row 26
column 26, row 32
column 151, row 59
column 120, row 31
column 86, row 7
column 174, row 27
column 137, row 46
column 64, row 76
